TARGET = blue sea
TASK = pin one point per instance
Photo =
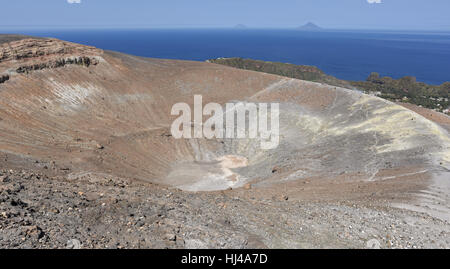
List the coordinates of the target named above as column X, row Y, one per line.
column 350, row 55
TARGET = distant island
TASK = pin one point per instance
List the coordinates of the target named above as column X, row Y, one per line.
column 310, row 27
column 240, row 26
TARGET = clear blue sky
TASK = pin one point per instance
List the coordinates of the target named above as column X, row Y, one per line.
column 345, row 14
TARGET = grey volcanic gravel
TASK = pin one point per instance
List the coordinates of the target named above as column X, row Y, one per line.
column 97, row 211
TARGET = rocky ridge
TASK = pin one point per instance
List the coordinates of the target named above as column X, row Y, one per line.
column 28, row 55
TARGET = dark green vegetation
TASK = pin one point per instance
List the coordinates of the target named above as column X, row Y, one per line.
column 405, row 89
column 408, row 90
column 303, row 72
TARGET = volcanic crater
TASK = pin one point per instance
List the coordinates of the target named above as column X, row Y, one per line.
column 89, row 111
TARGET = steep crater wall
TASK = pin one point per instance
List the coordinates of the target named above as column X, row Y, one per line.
column 109, row 113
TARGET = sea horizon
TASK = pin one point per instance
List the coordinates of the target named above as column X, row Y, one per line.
column 349, row 54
